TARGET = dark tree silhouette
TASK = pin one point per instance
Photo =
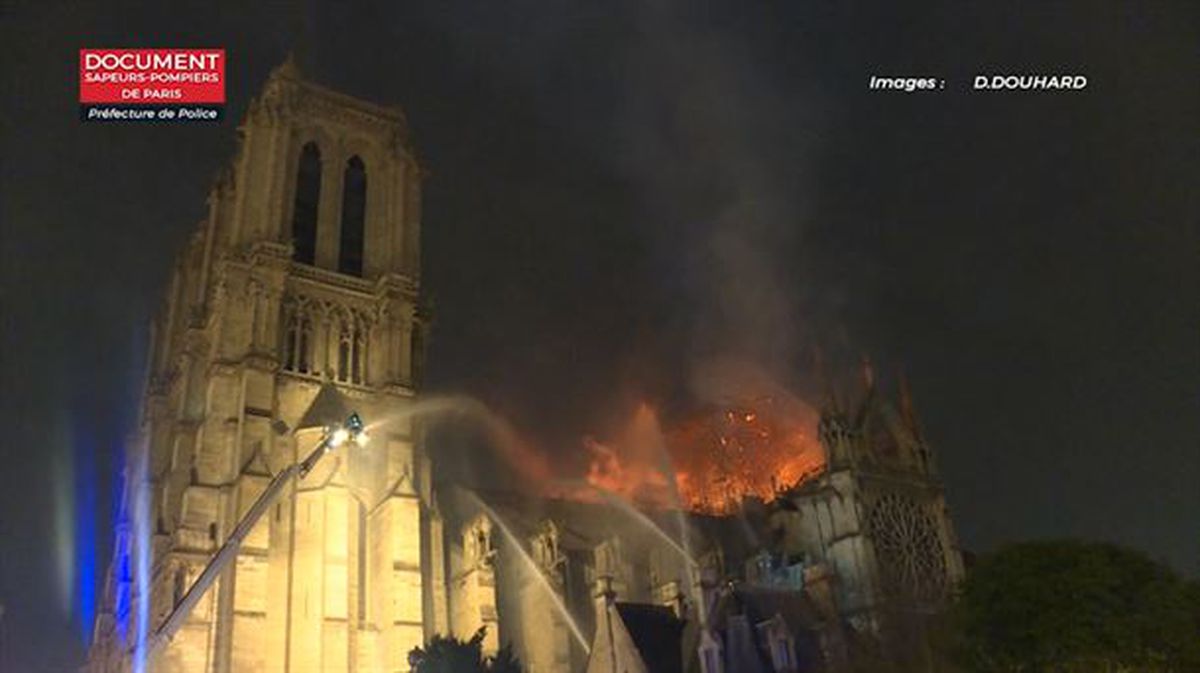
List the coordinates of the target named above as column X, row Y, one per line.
column 1072, row 606
column 504, row 662
column 443, row 654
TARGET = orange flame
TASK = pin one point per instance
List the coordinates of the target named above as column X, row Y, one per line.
column 635, row 466
column 717, row 458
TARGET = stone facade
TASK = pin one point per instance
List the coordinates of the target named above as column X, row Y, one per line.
column 337, row 576
column 305, row 278
column 839, row 572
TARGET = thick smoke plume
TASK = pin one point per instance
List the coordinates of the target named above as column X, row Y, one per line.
column 716, row 149
column 702, row 127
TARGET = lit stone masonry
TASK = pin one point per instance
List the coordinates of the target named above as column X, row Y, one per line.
column 296, row 299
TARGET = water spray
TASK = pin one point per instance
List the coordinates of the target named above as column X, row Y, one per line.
column 533, row 567
column 352, row 431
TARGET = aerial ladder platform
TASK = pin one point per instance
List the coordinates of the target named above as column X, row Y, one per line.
column 351, row 430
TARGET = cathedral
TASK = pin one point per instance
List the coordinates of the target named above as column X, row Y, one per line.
column 297, row 300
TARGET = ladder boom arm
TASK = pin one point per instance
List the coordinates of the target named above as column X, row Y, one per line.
column 353, row 429
column 221, row 559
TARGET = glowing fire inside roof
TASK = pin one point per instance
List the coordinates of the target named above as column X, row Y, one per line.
column 718, row 458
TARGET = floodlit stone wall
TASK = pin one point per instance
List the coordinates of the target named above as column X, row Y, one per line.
column 338, row 574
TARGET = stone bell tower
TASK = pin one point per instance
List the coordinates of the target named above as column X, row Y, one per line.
column 296, row 300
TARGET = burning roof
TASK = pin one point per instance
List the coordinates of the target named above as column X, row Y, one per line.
column 717, row 457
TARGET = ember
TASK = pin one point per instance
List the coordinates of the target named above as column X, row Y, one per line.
column 718, row 457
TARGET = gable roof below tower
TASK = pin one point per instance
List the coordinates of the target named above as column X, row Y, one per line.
column 656, row 633
column 328, row 408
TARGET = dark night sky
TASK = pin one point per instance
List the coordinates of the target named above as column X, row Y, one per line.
column 624, row 192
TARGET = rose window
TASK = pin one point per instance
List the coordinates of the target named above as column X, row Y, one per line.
column 908, row 547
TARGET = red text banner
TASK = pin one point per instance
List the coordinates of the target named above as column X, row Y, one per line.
column 151, row 76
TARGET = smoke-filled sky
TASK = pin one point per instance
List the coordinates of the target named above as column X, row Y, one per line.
column 624, row 195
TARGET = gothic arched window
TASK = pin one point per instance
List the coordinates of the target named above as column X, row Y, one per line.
column 290, row 338
column 345, row 346
column 348, row 335
column 297, row 338
column 354, row 211
column 358, row 360
column 303, row 347
column 304, row 211
column 417, row 355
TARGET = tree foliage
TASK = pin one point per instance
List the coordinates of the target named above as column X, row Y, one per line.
column 444, row 654
column 1075, row 606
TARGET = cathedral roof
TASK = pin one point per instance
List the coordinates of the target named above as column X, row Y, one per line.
column 328, row 408
column 656, row 633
